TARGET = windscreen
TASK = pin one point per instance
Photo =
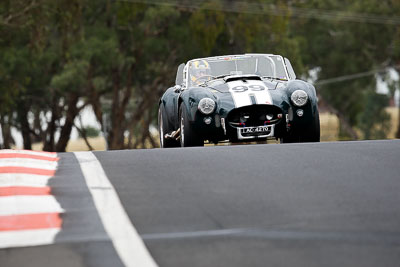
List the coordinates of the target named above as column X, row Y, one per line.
column 202, row 70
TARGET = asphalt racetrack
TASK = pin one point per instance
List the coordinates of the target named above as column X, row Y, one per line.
column 317, row 204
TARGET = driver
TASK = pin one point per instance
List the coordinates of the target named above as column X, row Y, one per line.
column 200, row 72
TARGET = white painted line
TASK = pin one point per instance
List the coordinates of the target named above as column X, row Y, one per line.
column 22, row 179
column 29, row 152
column 126, row 240
column 13, row 205
column 25, row 238
column 28, row 163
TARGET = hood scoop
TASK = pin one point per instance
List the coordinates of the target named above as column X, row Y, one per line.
column 242, row 78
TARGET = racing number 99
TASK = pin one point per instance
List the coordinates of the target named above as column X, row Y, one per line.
column 243, row 88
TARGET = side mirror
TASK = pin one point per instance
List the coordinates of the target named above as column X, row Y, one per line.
column 177, row 88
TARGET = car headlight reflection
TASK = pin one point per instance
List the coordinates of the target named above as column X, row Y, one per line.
column 206, row 105
column 299, row 98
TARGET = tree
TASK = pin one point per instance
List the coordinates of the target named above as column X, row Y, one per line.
column 340, row 48
column 57, row 57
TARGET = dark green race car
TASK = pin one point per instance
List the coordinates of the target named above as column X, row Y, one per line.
column 238, row 98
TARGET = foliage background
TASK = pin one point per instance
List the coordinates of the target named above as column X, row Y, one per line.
column 118, row 57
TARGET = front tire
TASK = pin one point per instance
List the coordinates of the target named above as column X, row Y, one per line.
column 188, row 136
column 164, row 128
column 314, row 132
column 310, row 134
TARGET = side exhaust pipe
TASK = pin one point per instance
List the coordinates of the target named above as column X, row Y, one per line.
column 174, row 135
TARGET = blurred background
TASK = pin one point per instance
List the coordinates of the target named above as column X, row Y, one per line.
column 88, row 74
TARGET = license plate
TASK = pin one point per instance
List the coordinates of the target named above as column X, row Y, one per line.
column 259, row 130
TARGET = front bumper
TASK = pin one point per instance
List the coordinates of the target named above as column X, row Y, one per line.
column 228, row 126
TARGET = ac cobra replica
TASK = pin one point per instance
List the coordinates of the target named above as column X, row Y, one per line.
column 238, row 98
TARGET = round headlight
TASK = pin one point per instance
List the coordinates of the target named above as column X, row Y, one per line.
column 299, row 98
column 206, row 105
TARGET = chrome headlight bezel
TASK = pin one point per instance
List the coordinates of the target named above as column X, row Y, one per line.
column 206, row 105
column 299, row 98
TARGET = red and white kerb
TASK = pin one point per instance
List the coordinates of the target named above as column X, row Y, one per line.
column 29, row 213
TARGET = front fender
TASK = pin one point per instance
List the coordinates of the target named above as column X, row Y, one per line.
column 301, row 125
column 308, row 88
column 190, row 99
column 169, row 101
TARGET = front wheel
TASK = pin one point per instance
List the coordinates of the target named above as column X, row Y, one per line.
column 164, row 128
column 314, row 132
column 188, row 136
column 310, row 134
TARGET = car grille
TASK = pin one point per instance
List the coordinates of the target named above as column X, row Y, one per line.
column 255, row 115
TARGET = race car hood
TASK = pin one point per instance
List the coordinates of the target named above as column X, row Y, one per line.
column 246, row 90
column 224, row 85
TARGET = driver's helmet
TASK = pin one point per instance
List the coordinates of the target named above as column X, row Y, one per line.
column 199, row 69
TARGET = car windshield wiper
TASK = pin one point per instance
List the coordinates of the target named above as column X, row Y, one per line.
column 274, row 78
